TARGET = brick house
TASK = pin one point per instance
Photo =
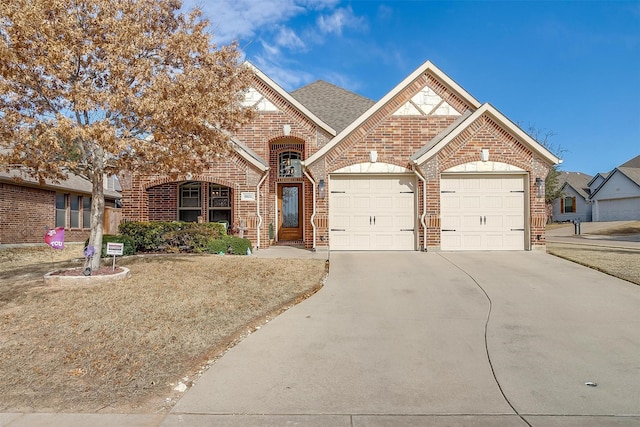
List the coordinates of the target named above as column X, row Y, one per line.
column 427, row 167
column 27, row 208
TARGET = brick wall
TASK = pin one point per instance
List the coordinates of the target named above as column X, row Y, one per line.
column 27, row 212
column 155, row 197
column 465, row 148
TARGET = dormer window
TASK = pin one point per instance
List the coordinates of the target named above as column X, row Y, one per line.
column 289, row 165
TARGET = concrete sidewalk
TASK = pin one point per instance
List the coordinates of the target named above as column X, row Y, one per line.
column 398, row 339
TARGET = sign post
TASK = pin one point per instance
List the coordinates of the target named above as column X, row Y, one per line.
column 115, row 249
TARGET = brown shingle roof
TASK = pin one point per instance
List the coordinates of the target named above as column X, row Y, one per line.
column 336, row 106
column 73, row 183
column 577, row 180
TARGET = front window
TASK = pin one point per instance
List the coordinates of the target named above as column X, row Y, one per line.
column 220, row 204
column 568, row 205
column 86, row 212
column 289, row 165
column 61, row 210
column 74, row 207
column 190, row 203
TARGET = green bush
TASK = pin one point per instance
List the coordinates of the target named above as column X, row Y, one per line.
column 238, row 246
column 157, row 236
column 129, row 246
column 216, row 246
column 190, row 239
column 229, row 245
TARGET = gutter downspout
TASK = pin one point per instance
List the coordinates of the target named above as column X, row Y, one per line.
column 313, row 215
column 424, row 205
column 266, row 174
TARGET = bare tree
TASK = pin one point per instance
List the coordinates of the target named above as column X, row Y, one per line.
column 94, row 87
column 551, row 184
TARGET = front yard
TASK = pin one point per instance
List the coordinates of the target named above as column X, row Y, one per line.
column 125, row 347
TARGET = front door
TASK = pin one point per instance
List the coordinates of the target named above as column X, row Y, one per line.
column 289, row 212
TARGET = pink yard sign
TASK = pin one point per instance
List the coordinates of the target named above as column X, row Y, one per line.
column 55, row 238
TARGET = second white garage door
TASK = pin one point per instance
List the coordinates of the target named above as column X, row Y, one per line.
column 372, row 213
column 482, row 213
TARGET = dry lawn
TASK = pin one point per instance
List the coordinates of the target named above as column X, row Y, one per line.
column 123, row 347
column 621, row 230
column 618, row 262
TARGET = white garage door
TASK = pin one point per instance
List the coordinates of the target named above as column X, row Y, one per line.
column 371, row 213
column 619, row 209
column 482, row 213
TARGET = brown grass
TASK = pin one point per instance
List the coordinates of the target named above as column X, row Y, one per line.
column 621, row 230
column 123, row 347
column 617, row 262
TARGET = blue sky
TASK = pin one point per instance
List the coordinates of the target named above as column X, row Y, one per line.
column 571, row 68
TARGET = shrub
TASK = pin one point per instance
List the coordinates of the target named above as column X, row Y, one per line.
column 156, row 236
column 129, row 246
column 238, row 246
column 189, row 239
column 229, row 245
column 216, row 246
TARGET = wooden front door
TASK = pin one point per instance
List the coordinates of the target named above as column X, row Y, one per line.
column 290, row 212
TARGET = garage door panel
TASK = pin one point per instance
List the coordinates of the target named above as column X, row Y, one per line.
column 494, row 202
column 341, row 201
column 450, row 201
column 472, row 202
column 341, row 221
column 384, row 221
column 378, row 209
column 483, row 213
column 359, row 202
column 403, row 222
column 382, row 202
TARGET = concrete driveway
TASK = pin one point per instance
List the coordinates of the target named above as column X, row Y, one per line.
column 398, row 338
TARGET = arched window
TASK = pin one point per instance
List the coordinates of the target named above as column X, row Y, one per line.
column 289, row 165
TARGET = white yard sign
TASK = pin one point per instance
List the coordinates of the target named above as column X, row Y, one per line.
column 115, row 248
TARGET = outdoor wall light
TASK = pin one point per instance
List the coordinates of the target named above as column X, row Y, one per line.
column 286, row 130
column 539, row 186
column 373, row 156
column 322, row 189
column 484, row 154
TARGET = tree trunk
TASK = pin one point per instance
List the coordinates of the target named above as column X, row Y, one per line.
column 97, row 209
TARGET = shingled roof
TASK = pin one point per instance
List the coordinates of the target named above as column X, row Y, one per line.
column 336, row 106
column 631, row 169
column 577, row 180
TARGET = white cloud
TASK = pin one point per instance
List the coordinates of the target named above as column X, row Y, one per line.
column 283, row 74
column 286, row 37
column 340, row 19
column 235, row 19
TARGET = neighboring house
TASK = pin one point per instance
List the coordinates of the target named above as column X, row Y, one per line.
column 596, row 181
column 427, row 167
column 27, row 208
column 617, row 198
column 574, row 203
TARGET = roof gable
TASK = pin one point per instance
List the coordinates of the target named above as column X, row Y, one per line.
column 255, row 99
column 335, row 105
column 613, row 177
column 630, row 169
column 434, row 146
column 576, row 180
column 599, row 175
column 426, row 75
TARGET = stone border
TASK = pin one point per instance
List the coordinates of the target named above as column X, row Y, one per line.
column 57, row 280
